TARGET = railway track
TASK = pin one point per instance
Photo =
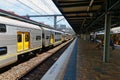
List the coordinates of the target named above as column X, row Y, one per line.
column 35, row 67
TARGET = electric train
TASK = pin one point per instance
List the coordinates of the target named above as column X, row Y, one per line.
column 17, row 38
column 114, row 36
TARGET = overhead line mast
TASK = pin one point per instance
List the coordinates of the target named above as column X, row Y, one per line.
column 55, row 17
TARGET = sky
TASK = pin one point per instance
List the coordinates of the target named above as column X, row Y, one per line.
column 34, row 7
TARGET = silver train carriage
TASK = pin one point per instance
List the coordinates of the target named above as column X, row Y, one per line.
column 57, row 37
column 16, row 38
column 51, row 37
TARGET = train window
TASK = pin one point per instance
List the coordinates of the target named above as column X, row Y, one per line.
column 47, row 37
column 57, row 40
column 55, row 33
column 42, row 35
column 19, row 37
column 26, row 38
column 2, row 28
column 38, row 37
column 3, row 50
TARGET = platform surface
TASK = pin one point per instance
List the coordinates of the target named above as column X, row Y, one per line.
column 90, row 65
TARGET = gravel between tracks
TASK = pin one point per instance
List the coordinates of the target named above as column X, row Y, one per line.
column 18, row 71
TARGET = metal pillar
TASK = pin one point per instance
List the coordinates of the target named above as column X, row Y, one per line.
column 106, row 52
column 55, row 21
column 107, row 38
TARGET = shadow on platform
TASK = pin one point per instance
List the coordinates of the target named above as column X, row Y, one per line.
column 90, row 65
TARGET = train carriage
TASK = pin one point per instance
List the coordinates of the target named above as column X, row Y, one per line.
column 16, row 38
column 47, row 37
column 67, row 36
column 57, row 36
column 114, row 36
column 63, row 36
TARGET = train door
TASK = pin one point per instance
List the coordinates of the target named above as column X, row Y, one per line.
column 23, row 41
column 20, row 41
column 26, row 41
column 51, row 38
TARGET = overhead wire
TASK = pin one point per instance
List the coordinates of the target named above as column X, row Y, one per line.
column 44, row 2
column 15, row 4
column 39, row 7
column 28, row 6
column 48, row 5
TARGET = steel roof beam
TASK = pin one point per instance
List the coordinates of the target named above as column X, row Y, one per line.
column 75, row 19
column 78, row 12
column 79, row 4
column 116, row 3
column 85, row 16
column 61, row 2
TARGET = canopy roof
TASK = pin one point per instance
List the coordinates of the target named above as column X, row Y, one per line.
column 88, row 15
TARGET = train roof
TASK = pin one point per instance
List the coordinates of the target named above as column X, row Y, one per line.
column 110, row 33
column 44, row 28
column 56, row 31
column 5, row 20
column 99, row 33
column 18, row 17
column 25, row 20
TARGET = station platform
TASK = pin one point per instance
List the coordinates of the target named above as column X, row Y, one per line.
column 82, row 61
column 90, row 65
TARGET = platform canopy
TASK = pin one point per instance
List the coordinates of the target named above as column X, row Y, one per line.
column 88, row 15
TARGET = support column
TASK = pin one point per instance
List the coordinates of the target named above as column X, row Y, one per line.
column 55, row 21
column 106, row 52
